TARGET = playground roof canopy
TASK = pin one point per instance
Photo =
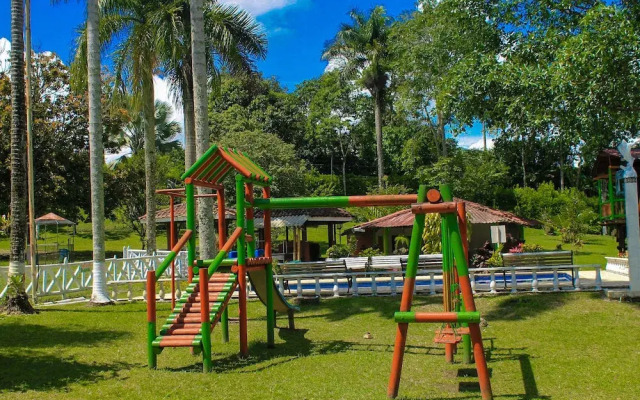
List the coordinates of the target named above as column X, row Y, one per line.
column 214, row 165
column 53, row 219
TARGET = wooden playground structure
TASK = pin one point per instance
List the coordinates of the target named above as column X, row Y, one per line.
column 203, row 306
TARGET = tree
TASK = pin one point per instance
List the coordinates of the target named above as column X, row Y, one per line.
column 137, row 25
column 274, row 156
column 166, row 130
column 473, row 175
column 232, row 40
column 125, row 201
column 17, row 300
column 60, row 140
column 565, row 73
column 99, row 294
column 361, row 52
column 331, row 118
column 427, row 49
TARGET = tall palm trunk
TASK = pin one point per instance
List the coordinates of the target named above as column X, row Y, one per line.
column 378, row 105
column 149, row 114
column 18, row 144
column 189, row 128
column 96, row 155
column 17, row 300
column 199, row 60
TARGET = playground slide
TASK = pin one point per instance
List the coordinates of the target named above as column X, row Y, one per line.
column 258, row 280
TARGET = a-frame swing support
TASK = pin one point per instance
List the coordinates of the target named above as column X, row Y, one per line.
column 454, row 242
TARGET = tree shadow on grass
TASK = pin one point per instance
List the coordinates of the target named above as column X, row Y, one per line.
column 27, row 371
column 296, row 346
column 519, row 355
column 29, row 336
column 517, row 307
column 342, row 308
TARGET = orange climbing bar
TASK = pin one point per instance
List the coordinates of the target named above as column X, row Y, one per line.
column 428, row 208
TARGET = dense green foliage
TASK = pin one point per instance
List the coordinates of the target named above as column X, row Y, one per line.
column 569, row 212
column 61, row 142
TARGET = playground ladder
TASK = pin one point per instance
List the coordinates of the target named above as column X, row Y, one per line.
column 183, row 327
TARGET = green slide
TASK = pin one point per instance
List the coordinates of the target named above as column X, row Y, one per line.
column 258, row 280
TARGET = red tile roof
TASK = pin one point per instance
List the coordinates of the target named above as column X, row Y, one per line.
column 52, row 219
column 478, row 214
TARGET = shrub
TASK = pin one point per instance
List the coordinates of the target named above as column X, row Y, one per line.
column 531, row 248
column 370, row 252
column 496, row 258
column 338, row 251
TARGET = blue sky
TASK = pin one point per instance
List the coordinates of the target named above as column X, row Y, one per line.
column 297, row 31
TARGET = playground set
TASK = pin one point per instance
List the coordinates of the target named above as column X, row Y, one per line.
column 203, row 306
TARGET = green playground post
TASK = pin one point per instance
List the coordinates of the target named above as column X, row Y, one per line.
column 205, row 319
column 416, row 242
column 445, row 190
column 242, row 277
column 250, row 230
column 224, row 323
column 191, row 224
column 386, row 241
column 271, row 316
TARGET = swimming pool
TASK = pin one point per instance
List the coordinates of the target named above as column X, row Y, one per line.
column 424, row 282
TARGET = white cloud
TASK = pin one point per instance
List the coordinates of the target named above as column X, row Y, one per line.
column 259, row 7
column 473, row 142
column 5, row 54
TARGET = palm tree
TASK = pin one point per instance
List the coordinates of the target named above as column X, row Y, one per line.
column 136, row 26
column 362, row 53
column 228, row 37
column 86, row 74
column 17, row 299
column 166, row 130
column 96, row 154
column 232, row 40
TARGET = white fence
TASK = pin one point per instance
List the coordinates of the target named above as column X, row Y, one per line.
column 126, row 276
column 68, row 278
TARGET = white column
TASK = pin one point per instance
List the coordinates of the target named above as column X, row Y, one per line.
column 631, row 213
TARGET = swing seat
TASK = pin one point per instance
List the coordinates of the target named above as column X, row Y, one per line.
column 448, row 335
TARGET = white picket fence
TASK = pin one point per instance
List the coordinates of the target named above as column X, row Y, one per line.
column 68, row 278
column 126, row 276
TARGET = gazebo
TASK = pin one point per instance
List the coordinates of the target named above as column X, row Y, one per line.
column 52, row 219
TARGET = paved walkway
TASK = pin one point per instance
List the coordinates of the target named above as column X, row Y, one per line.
column 609, row 279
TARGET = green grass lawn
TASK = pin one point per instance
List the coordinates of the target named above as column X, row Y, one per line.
column 551, row 346
column 594, row 250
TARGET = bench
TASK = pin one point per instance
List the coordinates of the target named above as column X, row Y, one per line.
column 356, row 264
column 563, row 258
column 328, row 267
column 425, row 262
column 385, row 263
